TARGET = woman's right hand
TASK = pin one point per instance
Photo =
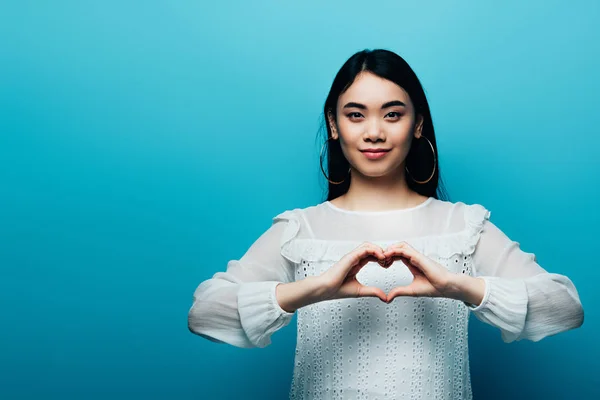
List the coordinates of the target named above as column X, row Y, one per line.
column 340, row 279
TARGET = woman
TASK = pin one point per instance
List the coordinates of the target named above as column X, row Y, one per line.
column 383, row 274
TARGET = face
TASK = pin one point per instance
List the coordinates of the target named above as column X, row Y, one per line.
column 375, row 113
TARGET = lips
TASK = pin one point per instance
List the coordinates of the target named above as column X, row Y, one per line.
column 375, row 150
column 375, row 154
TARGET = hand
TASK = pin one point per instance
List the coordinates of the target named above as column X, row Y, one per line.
column 340, row 280
column 430, row 278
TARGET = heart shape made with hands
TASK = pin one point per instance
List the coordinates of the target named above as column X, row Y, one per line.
column 385, row 278
column 405, row 272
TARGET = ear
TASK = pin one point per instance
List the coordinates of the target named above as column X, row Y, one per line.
column 332, row 125
column 418, row 126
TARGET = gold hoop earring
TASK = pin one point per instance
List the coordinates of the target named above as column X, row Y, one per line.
column 321, row 164
column 434, row 164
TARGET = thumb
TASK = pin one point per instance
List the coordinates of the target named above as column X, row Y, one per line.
column 371, row 291
column 400, row 291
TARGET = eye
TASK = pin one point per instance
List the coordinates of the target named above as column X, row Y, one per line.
column 354, row 115
column 398, row 115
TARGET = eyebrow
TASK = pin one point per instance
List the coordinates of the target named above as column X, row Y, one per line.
column 384, row 105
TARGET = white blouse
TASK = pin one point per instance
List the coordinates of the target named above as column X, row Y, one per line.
column 363, row 348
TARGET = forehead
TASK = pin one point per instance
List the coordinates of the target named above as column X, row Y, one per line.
column 371, row 89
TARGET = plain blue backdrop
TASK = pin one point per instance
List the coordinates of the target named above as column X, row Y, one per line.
column 145, row 144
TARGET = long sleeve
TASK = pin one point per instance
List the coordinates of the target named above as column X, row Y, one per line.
column 521, row 298
column 239, row 306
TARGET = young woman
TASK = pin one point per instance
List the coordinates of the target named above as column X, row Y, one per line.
column 383, row 274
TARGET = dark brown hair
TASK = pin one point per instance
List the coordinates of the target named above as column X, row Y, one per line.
column 388, row 65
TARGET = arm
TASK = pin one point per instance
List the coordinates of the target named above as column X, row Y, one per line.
column 240, row 306
column 519, row 297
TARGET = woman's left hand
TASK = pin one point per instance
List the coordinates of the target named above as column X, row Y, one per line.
column 430, row 278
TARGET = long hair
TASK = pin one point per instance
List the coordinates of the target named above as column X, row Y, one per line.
column 419, row 161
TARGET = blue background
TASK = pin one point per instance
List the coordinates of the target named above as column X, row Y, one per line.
column 145, row 144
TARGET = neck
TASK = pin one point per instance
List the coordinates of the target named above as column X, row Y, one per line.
column 389, row 192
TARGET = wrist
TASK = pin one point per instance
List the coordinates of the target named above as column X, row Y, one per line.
column 466, row 288
column 294, row 295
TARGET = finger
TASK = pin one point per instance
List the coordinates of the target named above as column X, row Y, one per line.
column 378, row 250
column 408, row 253
column 361, row 263
column 353, row 261
column 365, row 250
column 371, row 291
column 408, row 290
column 385, row 263
column 411, row 268
column 364, row 257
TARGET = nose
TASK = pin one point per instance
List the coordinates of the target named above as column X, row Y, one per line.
column 374, row 131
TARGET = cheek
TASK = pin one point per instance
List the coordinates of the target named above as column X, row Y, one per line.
column 404, row 127
column 344, row 145
column 350, row 130
column 402, row 134
column 406, row 140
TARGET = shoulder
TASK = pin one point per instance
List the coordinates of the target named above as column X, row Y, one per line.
column 468, row 210
column 292, row 225
column 298, row 212
column 467, row 220
column 461, row 216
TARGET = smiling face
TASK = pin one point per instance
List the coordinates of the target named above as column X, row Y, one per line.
column 375, row 113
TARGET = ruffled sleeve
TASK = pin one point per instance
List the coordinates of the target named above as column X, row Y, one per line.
column 292, row 227
column 521, row 298
column 239, row 306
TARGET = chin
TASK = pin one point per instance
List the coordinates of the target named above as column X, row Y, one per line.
column 372, row 173
column 378, row 171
